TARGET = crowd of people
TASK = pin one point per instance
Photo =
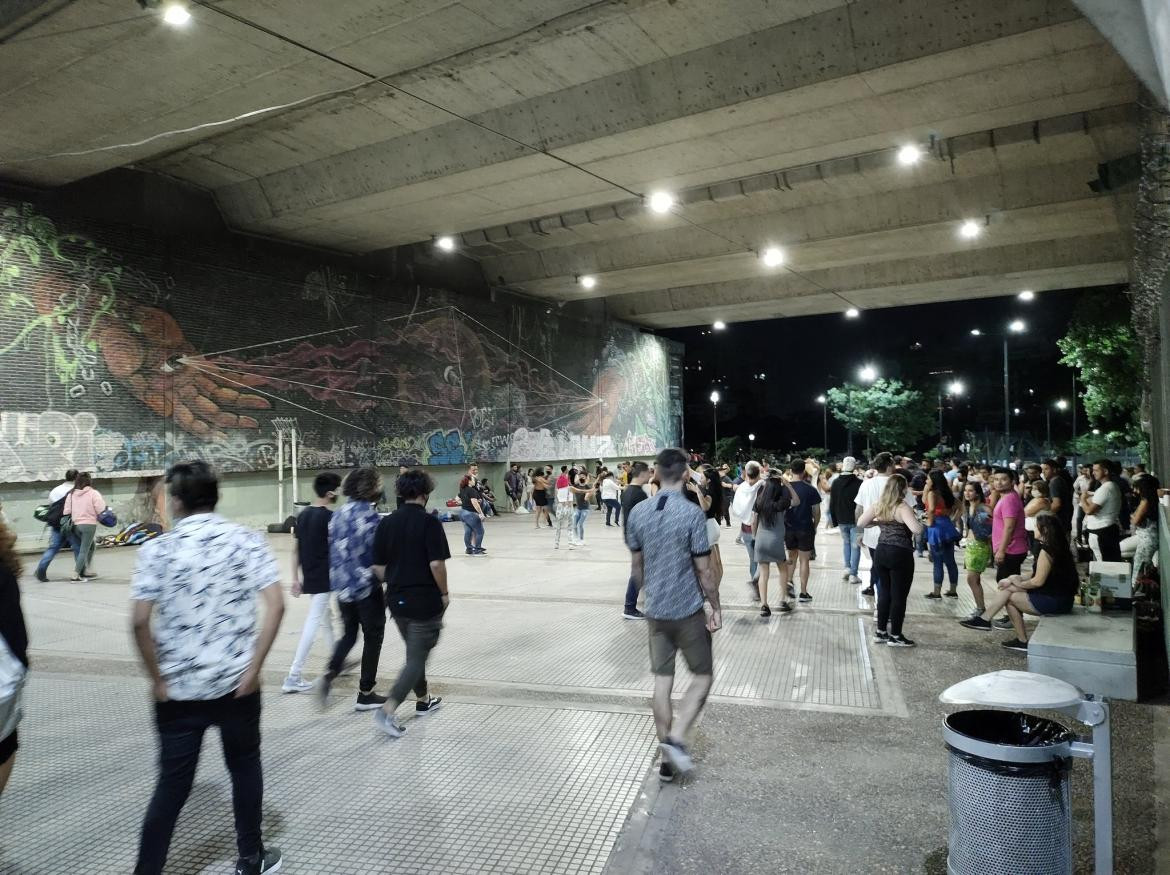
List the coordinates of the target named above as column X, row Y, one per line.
column 195, row 588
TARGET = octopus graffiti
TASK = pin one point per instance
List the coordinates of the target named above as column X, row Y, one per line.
column 124, row 364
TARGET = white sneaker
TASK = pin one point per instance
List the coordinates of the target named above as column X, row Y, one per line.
column 388, row 724
column 845, row 576
column 853, row 578
column 295, row 685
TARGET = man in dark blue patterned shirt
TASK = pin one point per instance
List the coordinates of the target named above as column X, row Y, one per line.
column 671, row 562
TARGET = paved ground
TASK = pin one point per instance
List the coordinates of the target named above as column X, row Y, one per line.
column 819, row 752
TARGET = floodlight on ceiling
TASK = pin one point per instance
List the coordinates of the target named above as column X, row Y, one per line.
column 773, row 256
column 970, row 229
column 661, row 202
column 1027, row 295
column 909, row 154
column 176, row 14
column 719, row 325
column 852, row 313
column 1017, row 326
column 445, row 242
column 588, row 281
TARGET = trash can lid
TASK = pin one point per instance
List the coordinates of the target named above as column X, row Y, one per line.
column 1013, row 689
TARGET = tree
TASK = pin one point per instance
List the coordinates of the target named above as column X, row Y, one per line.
column 1100, row 344
column 894, row 414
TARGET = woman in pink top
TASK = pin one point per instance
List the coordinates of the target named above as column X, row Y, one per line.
column 84, row 504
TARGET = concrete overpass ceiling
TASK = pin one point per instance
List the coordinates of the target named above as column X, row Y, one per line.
column 774, row 123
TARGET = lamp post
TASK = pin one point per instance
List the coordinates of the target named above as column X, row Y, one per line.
column 714, row 422
column 1060, row 405
column 956, row 388
column 751, row 442
column 824, row 402
column 866, row 374
column 1016, row 326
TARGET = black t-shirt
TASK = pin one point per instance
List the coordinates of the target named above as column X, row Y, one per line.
column 312, row 533
column 918, row 484
column 631, row 495
column 1059, row 487
column 407, row 542
column 1062, row 580
column 581, row 498
column 466, row 494
column 12, row 628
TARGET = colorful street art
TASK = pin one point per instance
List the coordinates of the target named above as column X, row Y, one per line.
column 124, row 352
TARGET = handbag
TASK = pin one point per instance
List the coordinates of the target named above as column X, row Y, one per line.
column 108, row 518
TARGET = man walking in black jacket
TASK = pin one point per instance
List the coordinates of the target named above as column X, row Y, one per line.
column 843, row 515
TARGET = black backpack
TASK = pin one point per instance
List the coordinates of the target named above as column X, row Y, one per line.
column 50, row 514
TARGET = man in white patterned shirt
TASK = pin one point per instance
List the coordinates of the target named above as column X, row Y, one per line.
column 199, row 583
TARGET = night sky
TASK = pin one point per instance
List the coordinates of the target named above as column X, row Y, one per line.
column 928, row 345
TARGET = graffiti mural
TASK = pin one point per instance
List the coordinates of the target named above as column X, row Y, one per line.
column 122, row 354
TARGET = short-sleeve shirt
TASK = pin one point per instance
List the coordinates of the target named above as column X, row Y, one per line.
column 312, row 533
column 631, row 495
column 466, row 494
column 351, row 550
column 609, row 489
column 203, row 576
column 669, row 532
column 581, row 498
column 1009, row 506
column 1059, row 487
column 867, row 495
column 800, row 518
column 407, row 542
column 564, row 493
column 1108, row 498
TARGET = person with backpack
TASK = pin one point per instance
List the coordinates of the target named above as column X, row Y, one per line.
column 83, row 504
column 51, row 517
column 941, row 532
column 977, row 522
column 775, row 497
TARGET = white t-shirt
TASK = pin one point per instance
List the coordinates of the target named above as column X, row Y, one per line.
column 743, row 505
column 1108, row 498
column 59, row 492
column 609, row 489
column 868, row 494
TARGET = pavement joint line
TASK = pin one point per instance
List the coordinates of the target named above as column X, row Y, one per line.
column 1161, row 717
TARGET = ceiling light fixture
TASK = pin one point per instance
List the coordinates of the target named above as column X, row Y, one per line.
column 1027, row 295
column 970, row 229
column 446, row 243
column 773, row 256
column 587, row 281
column 661, row 201
column 852, row 313
column 719, row 325
column 176, row 14
column 909, row 154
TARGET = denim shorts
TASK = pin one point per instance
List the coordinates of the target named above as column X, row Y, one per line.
column 1049, row 605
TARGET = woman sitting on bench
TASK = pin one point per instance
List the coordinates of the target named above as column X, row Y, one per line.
column 1049, row 591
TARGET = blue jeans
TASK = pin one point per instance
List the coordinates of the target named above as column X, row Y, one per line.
column 472, row 529
column 579, row 518
column 944, row 556
column 56, row 542
column 749, row 544
column 631, row 596
column 850, row 546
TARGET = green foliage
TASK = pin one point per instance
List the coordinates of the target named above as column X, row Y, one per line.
column 893, row 414
column 1101, row 345
column 726, row 450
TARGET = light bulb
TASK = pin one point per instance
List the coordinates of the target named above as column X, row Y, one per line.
column 969, row 230
column 176, row 14
column 773, row 256
column 661, row 202
column 909, row 154
column 446, row 243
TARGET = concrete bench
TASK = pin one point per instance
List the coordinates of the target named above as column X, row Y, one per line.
column 1095, row 652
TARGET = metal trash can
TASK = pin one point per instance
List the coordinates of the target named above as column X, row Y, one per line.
column 1008, row 774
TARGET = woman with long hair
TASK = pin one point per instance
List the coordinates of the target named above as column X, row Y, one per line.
column 1036, row 501
column 941, row 514
column 977, row 525
column 13, row 652
column 705, row 488
column 83, row 505
column 540, row 496
column 1142, row 544
column 1049, row 591
column 774, row 498
column 894, row 557
column 471, row 513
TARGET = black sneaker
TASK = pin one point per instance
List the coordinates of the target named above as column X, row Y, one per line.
column 1003, row 623
column 41, row 576
column 791, row 591
column 784, row 607
column 264, row 862
column 677, row 754
column 976, row 622
column 633, row 614
column 369, row 702
column 805, row 597
column 766, row 611
column 951, row 593
column 665, row 772
column 867, row 591
column 934, row 595
column 431, row 704
column 881, row 636
column 754, row 586
column 480, row 551
column 900, row 641
column 469, row 551
column 324, row 685
column 1016, row 644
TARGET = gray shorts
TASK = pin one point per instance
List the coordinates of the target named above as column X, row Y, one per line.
column 689, row 635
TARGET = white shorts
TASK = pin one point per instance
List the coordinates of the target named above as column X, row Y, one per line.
column 712, row 532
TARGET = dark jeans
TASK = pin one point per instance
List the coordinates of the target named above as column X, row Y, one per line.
column 370, row 614
column 944, row 557
column 613, row 506
column 180, row 734
column 896, row 570
column 1108, row 543
column 631, row 596
column 420, row 636
column 1012, row 564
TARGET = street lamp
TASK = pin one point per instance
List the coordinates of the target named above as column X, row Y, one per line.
column 824, row 402
column 956, row 388
column 714, row 422
column 751, row 441
column 866, row 374
column 1060, row 405
column 1016, row 326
